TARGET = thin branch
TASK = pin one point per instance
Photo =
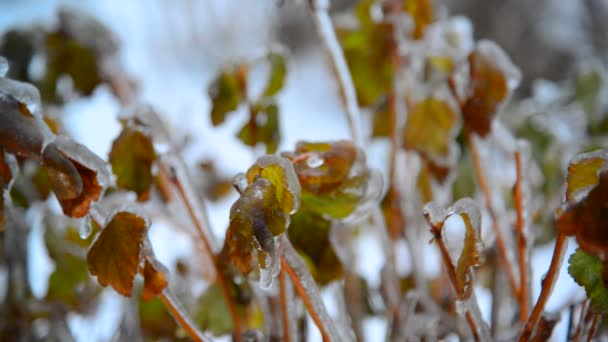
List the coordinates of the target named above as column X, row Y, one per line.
column 581, row 320
column 286, row 313
column 521, row 240
column 547, row 286
column 307, row 289
column 594, row 325
column 500, row 240
column 182, row 319
column 325, row 29
column 201, row 222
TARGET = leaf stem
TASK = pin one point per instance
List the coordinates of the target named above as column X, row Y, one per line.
column 547, row 287
column 500, row 240
column 182, row 319
column 203, row 228
column 285, row 314
column 307, row 289
column 521, row 240
column 325, row 29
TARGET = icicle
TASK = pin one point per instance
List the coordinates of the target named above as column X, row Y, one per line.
column 273, row 266
column 84, row 227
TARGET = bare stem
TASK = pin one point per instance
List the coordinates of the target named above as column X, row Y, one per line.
column 182, row 319
column 199, row 218
column 594, row 324
column 307, row 289
column 285, row 312
column 325, row 29
column 521, row 241
column 547, row 287
column 500, row 240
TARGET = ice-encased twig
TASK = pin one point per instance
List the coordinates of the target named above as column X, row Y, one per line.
column 307, row 289
column 325, row 28
column 288, row 310
column 183, row 319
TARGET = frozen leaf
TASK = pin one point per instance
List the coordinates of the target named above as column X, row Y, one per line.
column 19, row 131
column 114, row 256
column 226, row 93
column 586, row 219
column 256, row 214
column 583, row 173
column 155, row 278
column 88, row 31
column 278, row 69
column 5, row 171
column 421, row 12
column 24, row 93
column 309, row 234
column 280, row 172
column 589, row 272
column 262, row 127
column 431, row 128
column 131, row 157
column 492, row 77
column 75, row 185
column 468, row 210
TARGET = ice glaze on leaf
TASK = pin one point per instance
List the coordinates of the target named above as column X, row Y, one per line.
column 335, row 158
column 115, row 254
column 586, row 219
column 488, row 88
column 309, row 234
column 155, row 278
column 422, row 14
column 280, row 172
column 19, row 132
column 226, row 93
column 588, row 271
column 430, row 128
column 262, row 127
column 278, row 70
column 131, row 158
column 583, row 173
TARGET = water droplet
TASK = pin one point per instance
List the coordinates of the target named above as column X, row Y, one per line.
column 314, row 161
column 85, row 227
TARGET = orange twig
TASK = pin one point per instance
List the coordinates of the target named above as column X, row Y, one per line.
column 181, row 319
column 284, row 306
column 521, row 241
column 547, row 287
column 500, row 240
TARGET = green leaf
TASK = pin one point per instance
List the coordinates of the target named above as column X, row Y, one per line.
column 278, row 70
column 115, row 254
column 213, row 315
column 131, row 158
column 588, row 271
column 281, row 174
column 262, row 127
column 431, row 128
column 227, row 91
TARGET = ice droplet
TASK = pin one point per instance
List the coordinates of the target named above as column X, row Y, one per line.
column 240, row 182
column 85, row 227
column 273, row 266
column 3, row 66
column 314, row 160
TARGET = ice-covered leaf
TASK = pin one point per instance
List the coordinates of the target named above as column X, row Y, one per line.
column 255, row 218
column 421, row 12
column 19, row 131
column 262, row 127
column 469, row 257
column 583, row 173
column 430, row 127
column 280, row 172
column 586, row 218
column 309, row 234
column 589, row 272
column 492, row 78
column 114, row 256
column 227, row 91
column 278, row 70
column 75, row 184
column 155, row 278
column 131, row 157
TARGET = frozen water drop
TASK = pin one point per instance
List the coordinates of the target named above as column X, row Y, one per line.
column 3, row 66
column 314, row 160
column 85, row 227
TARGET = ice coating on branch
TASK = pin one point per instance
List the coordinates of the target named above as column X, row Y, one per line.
column 23, row 92
column 3, row 66
column 435, row 214
column 85, row 157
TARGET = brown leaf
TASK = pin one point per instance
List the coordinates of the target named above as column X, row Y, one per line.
column 336, row 159
column 155, row 279
column 19, row 132
column 115, row 254
column 583, row 173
